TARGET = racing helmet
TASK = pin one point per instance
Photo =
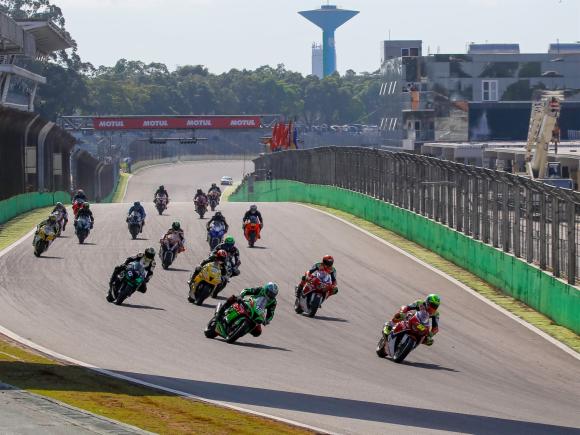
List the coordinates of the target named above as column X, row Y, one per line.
column 150, row 253
column 176, row 226
column 199, row 191
column 59, row 204
column 432, row 302
column 162, row 187
column 213, row 185
column 328, row 260
column 137, row 203
column 80, row 191
column 86, row 205
column 271, row 289
column 229, row 240
column 253, row 207
column 221, row 255
column 52, row 218
column 218, row 214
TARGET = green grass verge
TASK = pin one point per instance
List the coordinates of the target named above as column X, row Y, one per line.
column 121, row 187
column 146, row 408
column 228, row 191
column 491, row 293
column 17, row 227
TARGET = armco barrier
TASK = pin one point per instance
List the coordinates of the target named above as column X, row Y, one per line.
column 12, row 207
column 537, row 289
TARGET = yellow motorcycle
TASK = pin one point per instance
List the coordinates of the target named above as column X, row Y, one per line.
column 42, row 240
column 209, row 277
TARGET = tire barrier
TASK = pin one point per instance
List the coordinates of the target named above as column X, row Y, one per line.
column 529, row 284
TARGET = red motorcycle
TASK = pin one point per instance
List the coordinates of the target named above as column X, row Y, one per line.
column 317, row 289
column 405, row 336
column 252, row 229
column 76, row 206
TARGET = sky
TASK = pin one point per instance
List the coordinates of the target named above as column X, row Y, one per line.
column 225, row 34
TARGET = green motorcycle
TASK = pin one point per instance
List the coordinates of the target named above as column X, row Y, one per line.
column 239, row 319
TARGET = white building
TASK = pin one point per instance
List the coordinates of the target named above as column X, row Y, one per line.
column 317, row 60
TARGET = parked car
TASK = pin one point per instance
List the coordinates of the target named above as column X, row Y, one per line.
column 227, row 181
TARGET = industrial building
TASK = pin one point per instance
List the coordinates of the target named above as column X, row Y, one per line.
column 482, row 95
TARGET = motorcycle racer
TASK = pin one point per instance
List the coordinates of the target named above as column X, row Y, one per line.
column 214, row 188
column 85, row 210
column 430, row 304
column 137, row 207
column 60, row 208
column 229, row 245
column 176, row 229
column 253, row 211
column 268, row 291
column 50, row 222
column 217, row 217
column 147, row 259
column 199, row 194
column 161, row 192
column 80, row 195
column 326, row 265
column 219, row 257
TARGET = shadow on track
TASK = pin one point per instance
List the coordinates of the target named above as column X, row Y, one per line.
column 331, row 319
column 142, row 307
column 58, row 377
column 428, row 366
column 176, row 269
column 261, row 346
column 48, row 257
column 258, row 247
column 88, row 244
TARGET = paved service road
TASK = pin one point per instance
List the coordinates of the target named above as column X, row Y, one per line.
column 485, row 374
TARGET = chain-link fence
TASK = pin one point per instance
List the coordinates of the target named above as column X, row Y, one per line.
column 531, row 220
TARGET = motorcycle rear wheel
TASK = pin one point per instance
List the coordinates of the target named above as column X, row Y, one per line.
column 297, row 308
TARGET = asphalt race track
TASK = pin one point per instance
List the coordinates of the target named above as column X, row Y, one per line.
column 485, row 374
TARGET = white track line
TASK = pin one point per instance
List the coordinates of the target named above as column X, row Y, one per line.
column 469, row 290
column 100, row 370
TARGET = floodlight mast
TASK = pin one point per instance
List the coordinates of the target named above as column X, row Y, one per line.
column 328, row 18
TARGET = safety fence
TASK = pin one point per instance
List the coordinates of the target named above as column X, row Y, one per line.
column 539, row 290
column 19, row 204
column 531, row 220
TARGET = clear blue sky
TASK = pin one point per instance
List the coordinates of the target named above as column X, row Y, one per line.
column 225, row 34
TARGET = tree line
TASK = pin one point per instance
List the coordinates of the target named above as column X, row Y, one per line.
column 134, row 88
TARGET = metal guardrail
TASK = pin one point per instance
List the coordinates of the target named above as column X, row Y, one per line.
column 531, row 220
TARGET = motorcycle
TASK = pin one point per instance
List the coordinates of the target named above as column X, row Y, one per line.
column 82, row 228
column 215, row 234
column 161, row 203
column 405, row 336
column 168, row 250
column 134, row 223
column 59, row 215
column 204, row 283
column 252, row 228
column 239, row 319
column 76, row 206
column 201, row 207
column 317, row 288
column 128, row 281
column 232, row 270
column 214, row 199
column 42, row 240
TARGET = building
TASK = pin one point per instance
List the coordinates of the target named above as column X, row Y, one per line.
column 317, row 60
column 482, row 95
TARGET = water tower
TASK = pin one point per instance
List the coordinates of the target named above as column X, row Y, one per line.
column 328, row 18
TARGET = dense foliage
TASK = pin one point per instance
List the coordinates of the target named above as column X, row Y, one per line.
column 133, row 87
